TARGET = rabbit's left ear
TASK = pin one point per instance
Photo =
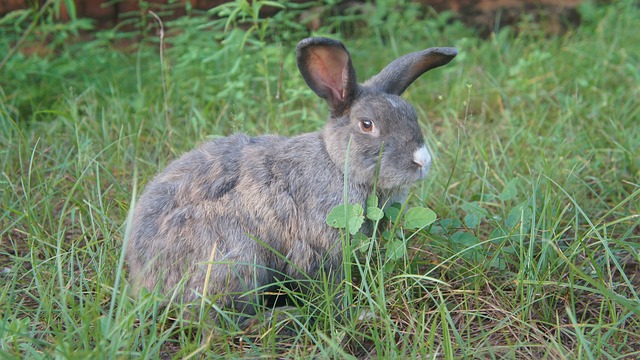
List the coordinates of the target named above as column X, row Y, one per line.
column 326, row 67
column 403, row 71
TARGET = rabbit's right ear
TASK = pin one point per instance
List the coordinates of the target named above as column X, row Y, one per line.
column 326, row 67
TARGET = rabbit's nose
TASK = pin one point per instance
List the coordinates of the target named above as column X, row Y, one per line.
column 421, row 157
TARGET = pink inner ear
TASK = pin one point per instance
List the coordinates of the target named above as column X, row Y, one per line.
column 328, row 67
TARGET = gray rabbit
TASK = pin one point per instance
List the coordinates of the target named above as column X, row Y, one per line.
column 240, row 213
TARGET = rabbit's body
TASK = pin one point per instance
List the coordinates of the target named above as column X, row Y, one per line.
column 257, row 206
column 192, row 208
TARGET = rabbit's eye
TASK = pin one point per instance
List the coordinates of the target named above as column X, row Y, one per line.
column 366, row 125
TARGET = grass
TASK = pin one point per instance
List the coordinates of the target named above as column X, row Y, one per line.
column 535, row 253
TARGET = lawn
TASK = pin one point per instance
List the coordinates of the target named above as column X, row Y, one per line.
column 535, row 252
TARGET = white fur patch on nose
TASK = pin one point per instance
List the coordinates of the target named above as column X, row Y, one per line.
column 422, row 157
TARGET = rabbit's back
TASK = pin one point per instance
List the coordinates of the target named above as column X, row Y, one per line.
column 244, row 198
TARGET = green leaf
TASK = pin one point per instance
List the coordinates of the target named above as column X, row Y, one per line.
column 392, row 212
column 450, row 224
column 361, row 242
column 475, row 207
column 374, row 213
column 498, row 235
column 346, row 214
column 357, row 219
column 498, row 263
column 520, row 213
column 372, row 201
column 472, row 220
column 336, row 217
column 419, row 217
column 475, row 214
column 464, row 238
column 395, row 249
column 509, row 191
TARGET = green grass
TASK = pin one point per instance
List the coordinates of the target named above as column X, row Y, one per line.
column 535, row 253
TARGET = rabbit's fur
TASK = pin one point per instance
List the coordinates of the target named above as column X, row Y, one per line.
column 257, row 206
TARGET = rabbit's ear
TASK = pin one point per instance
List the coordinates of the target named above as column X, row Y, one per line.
column 400, row 73
column 326, row 67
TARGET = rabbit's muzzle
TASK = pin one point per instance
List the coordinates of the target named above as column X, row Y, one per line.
column 422, row 159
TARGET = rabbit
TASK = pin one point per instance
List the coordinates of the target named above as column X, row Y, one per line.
column 239, row 213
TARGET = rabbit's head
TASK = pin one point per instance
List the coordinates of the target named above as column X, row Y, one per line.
column 370, row 117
